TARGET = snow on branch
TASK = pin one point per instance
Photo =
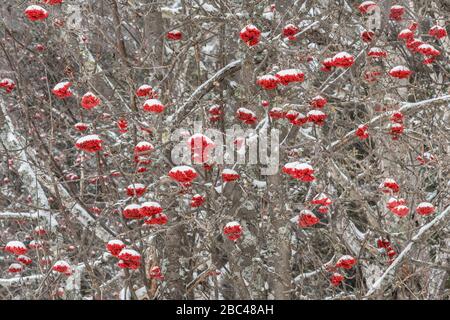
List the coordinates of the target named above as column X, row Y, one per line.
column 195, row 97
column 406, row 107
column 322, row 268
column 89, row 62
column 20, row 280
column 84, row 217
column 11, row 141
column 424, row 231
column 27, row 215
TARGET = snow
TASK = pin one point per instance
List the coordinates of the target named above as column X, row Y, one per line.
column 200, row 89
column 435, row 223
column 232, row 224
column 144, row 144
column 290, row 25
column 35, row 243
column 265, row 77
column 315, row 272
column 152, row 102
column 168, row 13
column 130, row 252
column 276, row 109
column 61, row 263
column 268, row 15
column 81, row 124
column 294, row 219
column 151, row 204
column 376, row 50
column 298, row 166
column 321, row 196
column 318, row 97
column 39, row 228
column 115, row 242
column 229, row 171
column 368, row 3
column 427, row 155
column 342, row 54
column 208, row 7
column 132, row 206
column 81, row 214
column 289, row 72
column 245, row 110
column 209, row 48
column 405, row 32
column 30, row 215
column 426, row 46
column 145, row 87
column 249, row 27
column 125, row 294
column 315, row 113
column 399, row 68
column 35, row 7
column 136, row 186
column 20, row 280
column 345, row 257
column 425, row 205
column 7, row 81
column 61, row 85
column 91, row 137
column 181, row 168
column 16, row 244
column 26, row 172
column 392, row 200
column 219, row 188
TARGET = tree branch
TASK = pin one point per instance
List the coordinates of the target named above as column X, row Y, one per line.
column 200, row 92
column 425, row 231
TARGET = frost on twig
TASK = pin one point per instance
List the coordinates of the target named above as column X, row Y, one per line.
column 424, row 232
column 84, row 217
column 406, row 108
column 11, row 142
column 20, row 280
column 203, row 89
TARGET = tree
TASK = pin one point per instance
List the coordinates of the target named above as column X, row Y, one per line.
column 215, row 149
